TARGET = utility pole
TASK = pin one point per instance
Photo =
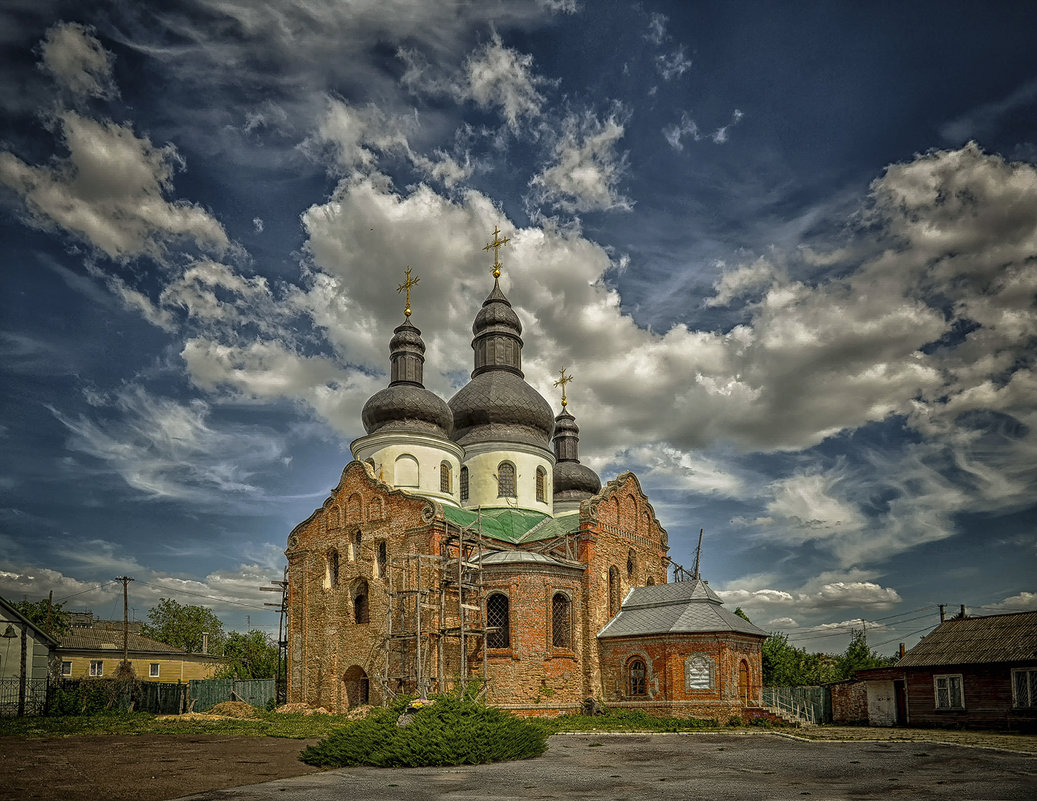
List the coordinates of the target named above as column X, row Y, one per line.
column 282, row 632
column 125, row 618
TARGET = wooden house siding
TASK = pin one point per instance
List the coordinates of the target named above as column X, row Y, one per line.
column 171, row 668
column 988, row 701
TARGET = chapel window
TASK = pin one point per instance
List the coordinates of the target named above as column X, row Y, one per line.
column 631, row 563
column 636, row 672
column 505, row 480
column 464, row 484
column 445, row 476
column 382, row 559
column 614, row 599
column 333, row 568
column 561, row 621
column 361, row 611
column 498, row 621
column 541, row 483
column 357, row 541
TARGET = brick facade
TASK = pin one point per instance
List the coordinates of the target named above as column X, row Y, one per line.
column 849, row 702
column 343, row 648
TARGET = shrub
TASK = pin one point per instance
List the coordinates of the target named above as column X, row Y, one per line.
column 453, row 731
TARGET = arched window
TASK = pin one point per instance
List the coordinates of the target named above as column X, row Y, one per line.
column 541, row 483
column 382, row 560
column 357, row 686
column 636, row 673
column 357, row 540
column 614, row 599
column 651, row 581
column 332, row 568
column 361, row 611
column 498, row 620
column 464, row 483
column 631, row 562
column 445, row 477
column 561, row 621
column 406, row 471
column 505, row 480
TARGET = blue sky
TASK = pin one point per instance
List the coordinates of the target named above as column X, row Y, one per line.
column 789, row 252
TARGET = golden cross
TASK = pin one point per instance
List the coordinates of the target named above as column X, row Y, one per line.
column 496, row 244
column 565, row 379
column 406, row 285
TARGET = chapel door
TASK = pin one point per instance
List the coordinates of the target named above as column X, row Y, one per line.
column 743, row 682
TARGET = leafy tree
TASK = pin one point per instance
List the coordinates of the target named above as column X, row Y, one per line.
column 859, row 656
column 741, row 614
column 248, row 656
column 182, row 625
column 55, row 620
column 784, row 665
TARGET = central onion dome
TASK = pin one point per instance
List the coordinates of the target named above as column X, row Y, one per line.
column 497, row 404
column 405, row 405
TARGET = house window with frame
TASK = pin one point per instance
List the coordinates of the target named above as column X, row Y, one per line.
column 561, row 621
column 153, row 670
column 948, row 692
column 637, row 673
column 505, row 480
column 541, row 485
column 1024, row 688
column 66, row 668
column 445, row 478
column 96, row 667
column 498, row 619
column 464, row 484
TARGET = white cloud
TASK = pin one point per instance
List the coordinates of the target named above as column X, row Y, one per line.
column 110, row 192
column 1020, row 602
column 587, row 168
column 678, row 130
column 672, row 65
column 166, row 449
column 823, row 593
column 498, row 76
column 77, row 60
column 742, row 280
column 657, row 28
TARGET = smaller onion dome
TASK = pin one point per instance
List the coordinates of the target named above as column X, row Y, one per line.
column 405, row 405
column 572, row 480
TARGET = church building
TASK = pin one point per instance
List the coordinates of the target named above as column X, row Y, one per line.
column 466, row 545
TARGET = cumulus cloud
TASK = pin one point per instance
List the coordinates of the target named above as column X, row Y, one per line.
column 822, row 593
column 1020, row 602
column 111, row 192
column 587, row 167
column 498, row 76
column 77, row 61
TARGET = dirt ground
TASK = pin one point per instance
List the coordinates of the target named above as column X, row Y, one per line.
column 156, row 767
column 147, row 767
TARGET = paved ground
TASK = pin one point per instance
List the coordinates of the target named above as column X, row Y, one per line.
column 675, row 766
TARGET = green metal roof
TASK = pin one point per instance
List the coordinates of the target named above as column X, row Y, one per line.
column 514, row 525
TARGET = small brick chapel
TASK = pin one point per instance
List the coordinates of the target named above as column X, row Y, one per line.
column 466, row 544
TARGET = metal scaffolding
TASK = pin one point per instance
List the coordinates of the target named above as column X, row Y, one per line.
column 436, row 612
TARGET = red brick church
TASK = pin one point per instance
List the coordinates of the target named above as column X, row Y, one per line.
column 466, row 544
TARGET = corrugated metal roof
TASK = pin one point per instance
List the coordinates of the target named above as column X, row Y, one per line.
column 683, row 607
column 521, row 557
column 110, row 640
column 976, row 640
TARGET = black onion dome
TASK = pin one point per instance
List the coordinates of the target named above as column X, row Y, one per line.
column 406, row 407
column 498, row 405
column 573, row 480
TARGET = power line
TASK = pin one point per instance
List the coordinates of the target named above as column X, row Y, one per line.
column 203, row 595
column 84, row 592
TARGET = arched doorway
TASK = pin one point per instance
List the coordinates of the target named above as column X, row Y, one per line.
column 743, row 681
column 357, row 687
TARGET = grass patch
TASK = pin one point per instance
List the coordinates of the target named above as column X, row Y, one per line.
column 452, row 731
column 622, row 720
